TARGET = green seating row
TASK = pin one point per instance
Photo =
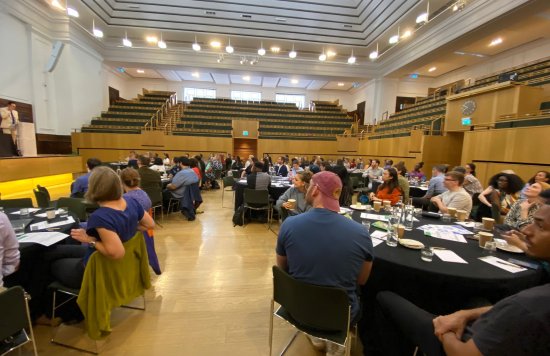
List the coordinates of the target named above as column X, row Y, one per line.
column 118, row 115
column 295, row 137
column 259, row 114
column 263, row 120
column 213, row 126
column 118, row 122
column 523, row 123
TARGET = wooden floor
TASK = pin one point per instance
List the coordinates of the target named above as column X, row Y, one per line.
column 213, row 297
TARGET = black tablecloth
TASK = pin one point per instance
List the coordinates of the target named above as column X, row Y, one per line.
column 437, row 286
column 274, row 192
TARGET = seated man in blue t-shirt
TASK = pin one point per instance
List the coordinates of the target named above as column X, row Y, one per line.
column 80, row 185
column 324, row 248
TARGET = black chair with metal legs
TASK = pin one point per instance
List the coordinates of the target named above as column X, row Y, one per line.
column 14, row 319
column 228, row 183
column 76, row 206
column 16, row 203
column 318, row 311
column 258, row 200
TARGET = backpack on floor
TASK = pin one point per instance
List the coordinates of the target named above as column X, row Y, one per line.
column 238, row 216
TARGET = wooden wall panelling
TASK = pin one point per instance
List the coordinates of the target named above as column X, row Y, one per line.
column 53, row 144
column 347, row 144
column 297, row 148
column 441, row 150
column 250, row 126
column 245, row 147
column 32, row 167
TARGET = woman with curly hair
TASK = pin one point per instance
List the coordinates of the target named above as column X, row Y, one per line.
column 500, row 195
column 389, row 190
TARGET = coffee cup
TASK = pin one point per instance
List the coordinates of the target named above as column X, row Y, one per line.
column 452, row 212
column 387, row 203
column 377, row 205
column 358, row 204
column 292, row 203
column 400, row 231
column 484, row 237
column 461, row 215
column 50, row 213
column 488, row 223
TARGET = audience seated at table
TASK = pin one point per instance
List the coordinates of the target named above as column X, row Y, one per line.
column 237, row 165
column 497, row 199
column 435, row 186
column 295, row 168
column 213, row 171
column 183, row 178
column 258, row 179
column 80, row 185
column 9, row 250
column 158, row 165
column 248, row 166
column 539, row 177
column 403, row 182
column 521, row 213
column 175, row 168
column 417, row 173
column 471, row 184
column 374, row 171
column 389, row 189
column 149, row 180
column 296, row 192
column 517, row 325
column 195, row 167
column 166, row 159
column 115, row 222
column 347, row 189
column 455, row 196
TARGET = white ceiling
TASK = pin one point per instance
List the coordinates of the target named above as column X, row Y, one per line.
column 311, row 27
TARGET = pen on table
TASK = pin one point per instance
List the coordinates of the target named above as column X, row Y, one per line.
column 508, row 264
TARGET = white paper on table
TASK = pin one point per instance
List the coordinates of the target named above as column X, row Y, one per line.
column 43, row 215
column 466, row 223
column 380, row 235
column 43, row 238
column 503, row 264
column 31, row 210
column 347, row 210
column 374, row 217
column 376, row 242
column 446, row 229
column 449, row 256
column 444, row 235
column 44, row 224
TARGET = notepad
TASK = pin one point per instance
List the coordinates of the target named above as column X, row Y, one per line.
column 449, row 256
column 503, row 264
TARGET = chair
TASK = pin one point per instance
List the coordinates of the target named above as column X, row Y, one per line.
column 76, row 206
column 16, row 203
column 258, row 200
column 228, row 183
column 318, row 311
column 14, row 309
column 156, row 202
column 42, row 196
column 107, row 284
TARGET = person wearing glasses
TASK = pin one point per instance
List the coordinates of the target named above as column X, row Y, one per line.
column 455, row 196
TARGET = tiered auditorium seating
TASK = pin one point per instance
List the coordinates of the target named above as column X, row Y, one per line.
column 129, row 116
column 277, row 121
column 428, row 114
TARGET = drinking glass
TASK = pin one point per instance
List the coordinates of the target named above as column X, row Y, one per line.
column 63, row 213
column 446, row 218
column 490, row 247
column 427, row 254
column 24, row 213
column 392, row 239
column 366, row 224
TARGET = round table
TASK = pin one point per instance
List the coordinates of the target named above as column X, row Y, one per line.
column 439, row 287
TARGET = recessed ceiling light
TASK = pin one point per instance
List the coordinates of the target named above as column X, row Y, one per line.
column 141, row 71
column 394, row 39
column 340, row 84
column 151, row 39
column 373, row 55
column 215, row 44
column 275, row 49
column 72, row 12
column 294, row 81
column 432, row 69
column 98, row 33
column 495, row 42
column 331, row 54
column 406, row 34
column 195, row 74
column 246, row 77
column 126, row 42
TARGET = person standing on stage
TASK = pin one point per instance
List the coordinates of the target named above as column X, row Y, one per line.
column 10, row 120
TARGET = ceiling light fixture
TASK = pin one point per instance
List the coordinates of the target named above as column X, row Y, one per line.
column 125, row 41
column 96, row 31
column 406, row 34
column 72, row 12
column 243, row 60
column 432, row 69
column 495, row 42
column 340, row 84
column 140, row 71
column 220, row 58
column 275, row 49
column 195, row 74
column 459, row 5
column 229, row 49
column 215, row 44
column 292, row 54
column 246, row 77
column 394, row 39
column 424, row 17
column 331, row 54
column 151, row 39
column 323, row 56
column 374, row 54
column 196, row 46
column 294, row 81
column 55, row 3
column 161, row 43
column 351, row 59
column 261, row 50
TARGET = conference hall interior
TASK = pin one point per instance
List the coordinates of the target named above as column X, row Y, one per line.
column 240, row 91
